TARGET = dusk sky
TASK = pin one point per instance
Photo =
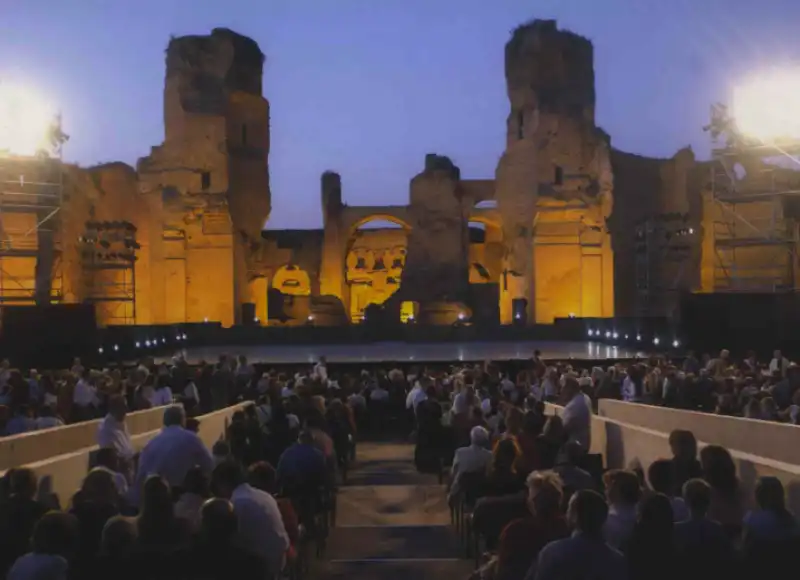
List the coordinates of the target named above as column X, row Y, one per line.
column 368, row 87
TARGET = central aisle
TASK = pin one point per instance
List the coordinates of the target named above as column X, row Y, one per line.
column 392, row 522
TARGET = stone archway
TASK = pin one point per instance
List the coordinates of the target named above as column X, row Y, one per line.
column 292, row 280
column 374, row 259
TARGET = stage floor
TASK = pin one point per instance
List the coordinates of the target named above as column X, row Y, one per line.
column 414, row 352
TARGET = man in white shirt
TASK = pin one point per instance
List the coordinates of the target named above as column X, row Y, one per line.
column 321, row 370
column 261, row 530
column 577, row 415
column 415, row 396
column 172, row 453
column 113, row 432
column 779, row 364
column 84, row 398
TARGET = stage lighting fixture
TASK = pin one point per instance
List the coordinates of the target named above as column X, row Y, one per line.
column 205, row 319
column 691, row 230
column 410, row 318
column 256, row 320
column 572, row 315
column 100, row 350
column 26, row 122
column 517, row 316
column 184, row 336
column 765, row 107
column 590, row 332
column 163, row 341
column 461, row 316
column 656, row 341
column 608, row 334
column 147, row 343
column 615, row 335
column 675, row 344
column 638, row 337
column 310, row 317
column 138, row 345
column 626, row 337
column 116, row 347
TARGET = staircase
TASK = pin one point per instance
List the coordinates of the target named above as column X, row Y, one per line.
column 392, row 522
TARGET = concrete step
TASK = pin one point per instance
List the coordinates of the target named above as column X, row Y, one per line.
column 387, row 472
column 447, row 569
column 392, row 505
column 392, row 543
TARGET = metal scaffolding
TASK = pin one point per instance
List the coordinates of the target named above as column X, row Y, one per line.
column 31, row 195
column 663, row 257
column 755, row 235
column 108, row 262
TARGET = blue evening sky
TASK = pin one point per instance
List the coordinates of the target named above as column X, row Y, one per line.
column 368, row 87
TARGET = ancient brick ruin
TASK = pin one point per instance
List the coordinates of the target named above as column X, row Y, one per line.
column 556, row 222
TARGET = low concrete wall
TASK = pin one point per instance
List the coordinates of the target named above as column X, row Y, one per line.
column 778, row 441
column 625, row 446
column 39, row 445
column 64, row 473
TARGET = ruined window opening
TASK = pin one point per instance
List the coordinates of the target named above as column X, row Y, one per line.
column 244, row 134
column 361, row 264
column 520, row 125
column 205, row 180
column 558, row 178
column 397, row 263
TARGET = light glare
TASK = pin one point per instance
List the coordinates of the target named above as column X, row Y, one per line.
column 26, row 121
column 767, row 106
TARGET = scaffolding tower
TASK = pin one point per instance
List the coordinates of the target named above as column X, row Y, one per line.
column 108, row 263
column 663, row 254
column 31, row 195
column 755, row 236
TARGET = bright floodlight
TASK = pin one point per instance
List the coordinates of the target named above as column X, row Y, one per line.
column 26, row 121
column 767, row 106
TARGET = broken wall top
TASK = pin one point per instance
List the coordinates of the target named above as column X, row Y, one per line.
column 209, row 66
column 556, row 65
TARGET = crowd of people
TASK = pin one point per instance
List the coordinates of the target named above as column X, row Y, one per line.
column 539, row 501
column 179, row 509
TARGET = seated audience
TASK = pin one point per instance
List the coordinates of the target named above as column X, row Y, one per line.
column 19, row 514
column 719, row 471
column 523, row 538
column 650, row 548
column 623, row 492
column 704, row 549
column 53, row 544
column 261, row 531
column 660, row 476
column 585, row 554
column 503, row 478
column 215, row 553
column 172, row 453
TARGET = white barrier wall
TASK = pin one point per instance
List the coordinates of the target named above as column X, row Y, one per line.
column 66, row 472
column 624, row 446
column 39, row 445
column 778, row 441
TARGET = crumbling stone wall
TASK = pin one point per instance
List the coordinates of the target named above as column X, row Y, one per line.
column 212, row 170
column 554, row 152
column 436, row 264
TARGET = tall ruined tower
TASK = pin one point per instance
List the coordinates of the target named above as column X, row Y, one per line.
column 212, row 169
column 555, row 156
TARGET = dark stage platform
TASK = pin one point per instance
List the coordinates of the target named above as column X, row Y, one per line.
column 415, row 352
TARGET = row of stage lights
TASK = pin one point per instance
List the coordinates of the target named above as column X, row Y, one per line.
column 147, row 343
column 614, row 335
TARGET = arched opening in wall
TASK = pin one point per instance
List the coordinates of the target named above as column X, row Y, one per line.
column 292, row 280
column 374, row 261
column 477, row 232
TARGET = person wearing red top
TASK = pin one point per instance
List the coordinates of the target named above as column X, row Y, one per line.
column 522, row 539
